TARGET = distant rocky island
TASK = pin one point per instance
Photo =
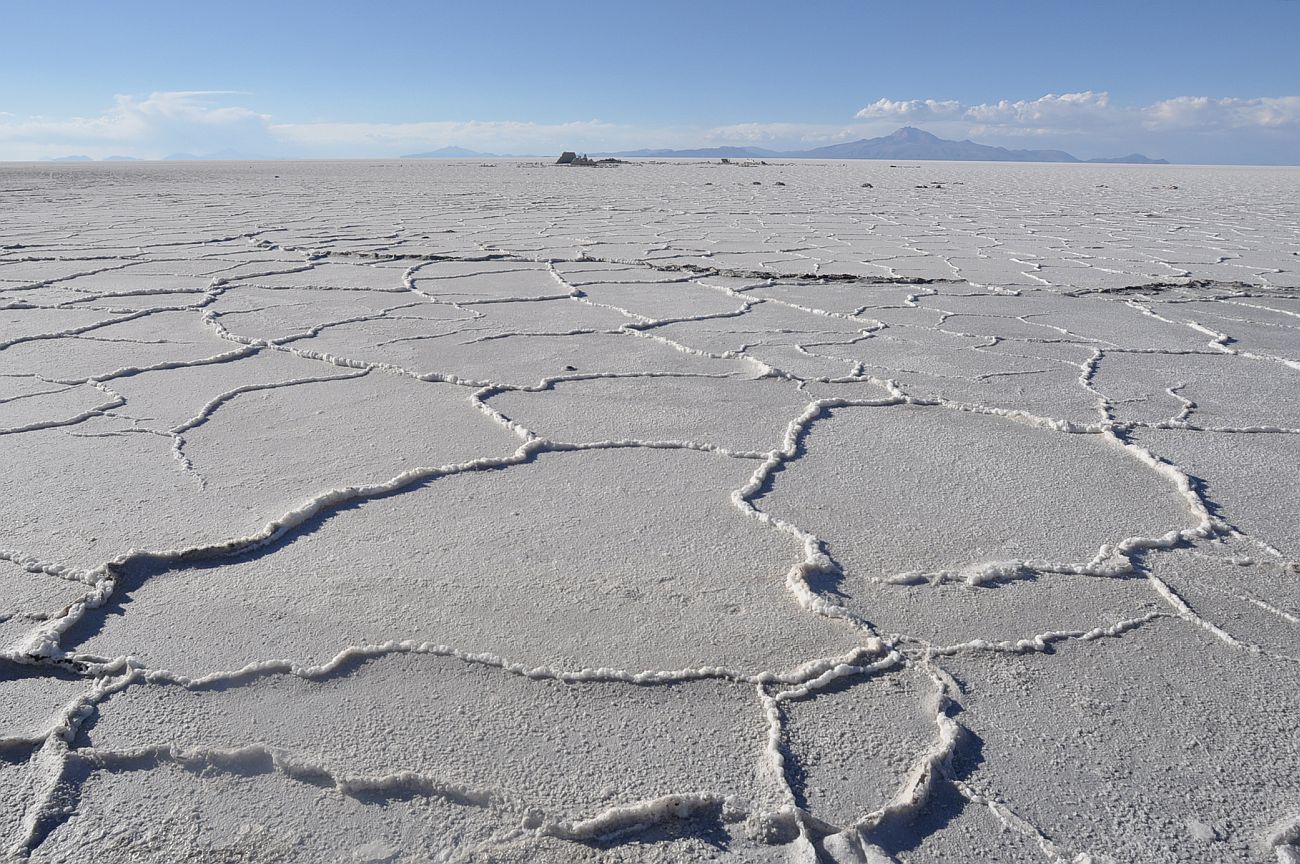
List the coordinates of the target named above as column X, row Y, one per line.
column 907, row 143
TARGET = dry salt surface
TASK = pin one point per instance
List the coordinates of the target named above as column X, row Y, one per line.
column 446, row 511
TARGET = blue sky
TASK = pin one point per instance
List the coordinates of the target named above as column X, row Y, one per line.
column 1193, row 81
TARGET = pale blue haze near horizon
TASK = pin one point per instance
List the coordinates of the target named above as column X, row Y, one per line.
column 1187, row 81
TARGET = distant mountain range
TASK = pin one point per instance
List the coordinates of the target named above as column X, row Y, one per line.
column 449, row 153
column 458, row 153
column 907, row 143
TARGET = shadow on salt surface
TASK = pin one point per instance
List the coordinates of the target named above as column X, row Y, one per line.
column 946, row 812
column 1250, row 478
column 918, row 505
column 30, row 599
column 30, row 702
column 490, row 561
column 268, row 818
column 850, row 745
column 1160, row 742
column 519, row 751
column 20, row 781
column 223, row 817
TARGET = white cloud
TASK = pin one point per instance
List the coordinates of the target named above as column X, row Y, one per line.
column 1089, row 112
column 911, row 110
column 153, row 125
column 1065, row 113
column 1185, row 128
column 204, row 122
column 1202, row 113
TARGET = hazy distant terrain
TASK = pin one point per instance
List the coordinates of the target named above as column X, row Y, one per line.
column 435, row 511
column 907, row 143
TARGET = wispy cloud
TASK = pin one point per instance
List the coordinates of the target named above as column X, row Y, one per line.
column 205, row 122
column 1089, row 112
column 1202, row 113
column 152, row 125
column 1185, row 128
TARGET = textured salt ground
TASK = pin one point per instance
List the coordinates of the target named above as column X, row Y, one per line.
column 518, row 359
column 742, row 415
column 680, row 580
column 30, row 705
column 924, row 490
column 1251, row 478
column 553, row 316
column 486, row 513
column 366, row 721
column 285, row 315
column 172, row 397
column 1252, row 597
column 30, row 597
column 852, row 745
column 236, row 482
column 1139, row 385
column 812, row 368
column 768, row 323
column 1127, row 748
column 965, row 369
column 30, row 403
column 197, row 816
column 658, row 300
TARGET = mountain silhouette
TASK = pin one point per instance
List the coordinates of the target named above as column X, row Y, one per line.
column 907, row 143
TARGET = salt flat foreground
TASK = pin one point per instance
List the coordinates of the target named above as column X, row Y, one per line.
column 458, row 512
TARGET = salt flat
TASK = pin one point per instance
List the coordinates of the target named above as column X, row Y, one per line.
column 458, row 511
